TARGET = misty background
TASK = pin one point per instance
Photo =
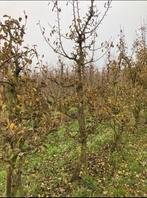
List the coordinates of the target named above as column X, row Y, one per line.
column 128, row 15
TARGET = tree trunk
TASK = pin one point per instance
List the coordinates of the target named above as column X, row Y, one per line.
column 14, row 183
column 83, row 157
column 83, row 135
column 9, row 181
column 136, row 116
column 82, row 161
column 17, row 184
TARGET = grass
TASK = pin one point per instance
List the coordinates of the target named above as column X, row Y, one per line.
column 2, row 181
column 48, row 173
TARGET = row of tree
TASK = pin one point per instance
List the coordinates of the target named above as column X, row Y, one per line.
column 29, row 101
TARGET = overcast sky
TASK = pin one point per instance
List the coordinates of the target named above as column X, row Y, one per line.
column 128, row 15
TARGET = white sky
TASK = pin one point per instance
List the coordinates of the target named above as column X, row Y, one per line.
column 126, row 14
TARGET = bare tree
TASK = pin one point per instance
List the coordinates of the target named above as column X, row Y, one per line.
column 82, row 33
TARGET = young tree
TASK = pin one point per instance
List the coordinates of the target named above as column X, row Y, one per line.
column 82, row 34
column 25, row 116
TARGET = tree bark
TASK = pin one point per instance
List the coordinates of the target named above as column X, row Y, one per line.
column 83, row 157
column 9, row 181
column 82, row 163
column 17, row 184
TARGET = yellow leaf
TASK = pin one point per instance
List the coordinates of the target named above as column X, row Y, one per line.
column 34, row 89
column 105, row 192
column 19, row 96
column 18, row 106
column 12, row 126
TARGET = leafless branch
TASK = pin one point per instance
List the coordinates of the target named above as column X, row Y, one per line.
column 102, row 18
